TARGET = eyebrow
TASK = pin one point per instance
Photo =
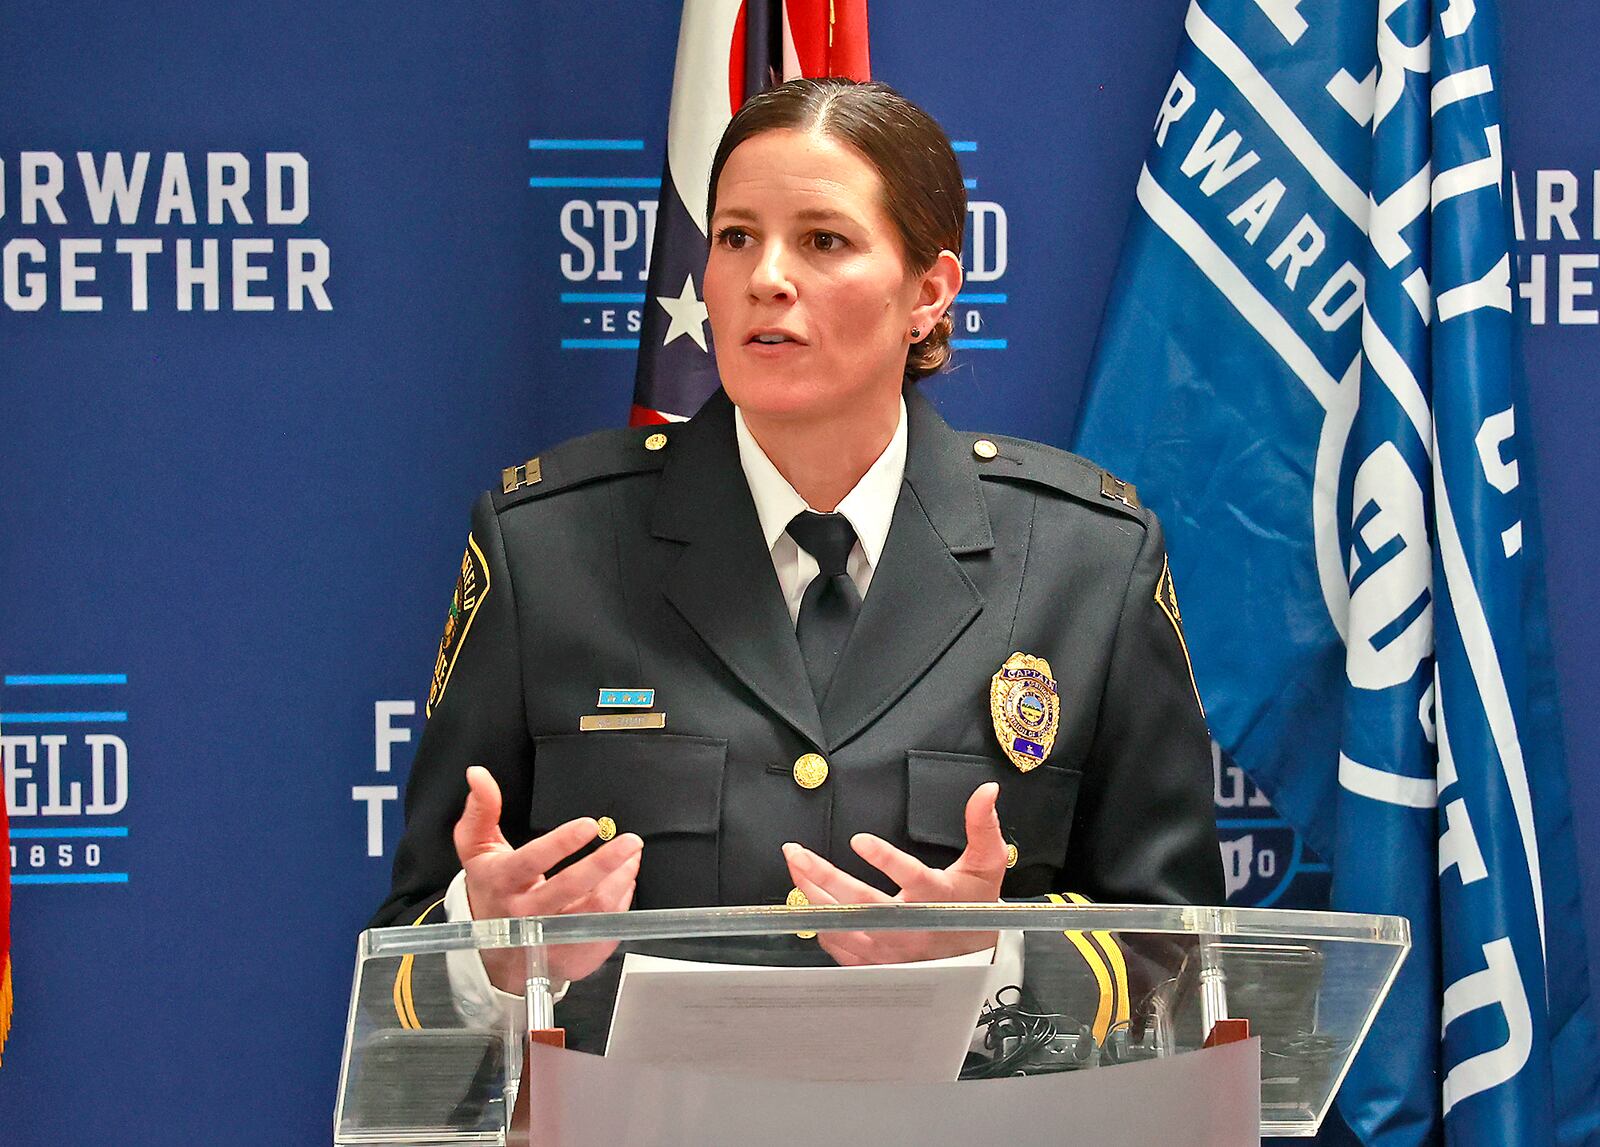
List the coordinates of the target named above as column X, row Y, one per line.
column 807, row 215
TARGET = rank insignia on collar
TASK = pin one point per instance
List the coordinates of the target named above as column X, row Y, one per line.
column 1115, row 489
column 1025, row 708
column 472, row 586
column 514, row 478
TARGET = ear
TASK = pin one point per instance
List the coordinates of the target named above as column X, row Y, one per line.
column 936, row 293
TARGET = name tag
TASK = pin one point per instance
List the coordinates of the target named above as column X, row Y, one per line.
column 601, row 722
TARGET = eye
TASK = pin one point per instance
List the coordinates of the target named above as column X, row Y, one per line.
column 733, row 238
column 827, row 241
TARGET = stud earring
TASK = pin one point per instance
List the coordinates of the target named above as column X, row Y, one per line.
column 916, row 332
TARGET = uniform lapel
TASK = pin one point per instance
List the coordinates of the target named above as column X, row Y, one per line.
column 920, row 599
column 723, row 583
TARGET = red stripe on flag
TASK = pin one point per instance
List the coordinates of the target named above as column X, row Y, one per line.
column 847, row 51
column 808, row 27
column 830, row 37
column 644, row 416
column 735, row 67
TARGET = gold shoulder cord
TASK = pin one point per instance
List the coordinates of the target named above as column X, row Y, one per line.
column 1100, row 951
column 404, row 1006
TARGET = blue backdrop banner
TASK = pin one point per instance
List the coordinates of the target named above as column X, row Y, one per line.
column 283, row 287
column 1322, row 265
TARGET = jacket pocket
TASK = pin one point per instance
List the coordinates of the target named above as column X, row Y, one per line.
column 648, row 783
column 666, row 788
column 1035, row 807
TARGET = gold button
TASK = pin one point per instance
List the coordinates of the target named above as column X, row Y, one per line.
column 655, row 442
column 810, row 771
column 985, row 449
column 797, row 899
column 608, row 828
column 1011, row 855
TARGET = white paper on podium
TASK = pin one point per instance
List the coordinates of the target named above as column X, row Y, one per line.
column 909, row 1023
column 1200, row 1099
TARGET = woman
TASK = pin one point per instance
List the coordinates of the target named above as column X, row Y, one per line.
column 877, row 657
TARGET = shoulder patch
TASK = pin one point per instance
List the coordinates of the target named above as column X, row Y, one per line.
column 1018, row 460
column 1167, row 601
column 472, row 586
column 606, row 454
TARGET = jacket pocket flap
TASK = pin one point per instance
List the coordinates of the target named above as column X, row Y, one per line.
column 648, row 783
column 1035, row 807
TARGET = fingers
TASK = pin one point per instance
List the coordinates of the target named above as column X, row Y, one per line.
column 616, row 892
column 528, row 863
column 839, row 887
column 602, row 882
column 825, row 884
column 576, row 881
column 478, row 830
column 815, row 894
column 986, row 846
column 848, row 949
column 612, row 893
column 905, row 870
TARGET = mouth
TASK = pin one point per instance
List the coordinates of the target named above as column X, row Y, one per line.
column 773, row 338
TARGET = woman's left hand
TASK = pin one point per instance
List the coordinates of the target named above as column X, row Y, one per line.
column 974, row 877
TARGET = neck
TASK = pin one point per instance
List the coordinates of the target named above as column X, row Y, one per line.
column 823, row 459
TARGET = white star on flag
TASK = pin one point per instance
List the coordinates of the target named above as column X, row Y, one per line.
column 688, row 315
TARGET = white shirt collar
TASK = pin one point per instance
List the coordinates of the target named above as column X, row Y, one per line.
column 869, row 505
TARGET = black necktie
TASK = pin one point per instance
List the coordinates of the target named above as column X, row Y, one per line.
column 831, row 602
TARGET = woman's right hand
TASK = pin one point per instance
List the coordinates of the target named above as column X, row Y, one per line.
column 506, row 881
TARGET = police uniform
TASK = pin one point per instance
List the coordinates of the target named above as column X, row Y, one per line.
column 631, row 561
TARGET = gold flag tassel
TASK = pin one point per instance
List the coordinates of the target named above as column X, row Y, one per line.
column 5, row 1005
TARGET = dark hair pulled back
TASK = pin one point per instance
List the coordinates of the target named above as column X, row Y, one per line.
column 922, row 188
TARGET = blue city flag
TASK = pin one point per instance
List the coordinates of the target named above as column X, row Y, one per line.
column 1308, row 365
column 728, row 50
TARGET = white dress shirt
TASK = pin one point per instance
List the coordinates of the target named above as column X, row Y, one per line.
column 869, row 506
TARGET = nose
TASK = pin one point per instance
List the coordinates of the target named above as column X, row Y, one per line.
column 769, row 277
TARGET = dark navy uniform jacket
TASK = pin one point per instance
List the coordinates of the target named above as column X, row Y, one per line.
column 617, row 566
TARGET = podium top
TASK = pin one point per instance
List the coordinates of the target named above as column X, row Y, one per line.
column 1260, row 924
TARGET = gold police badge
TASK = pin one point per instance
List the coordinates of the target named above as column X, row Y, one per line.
column 1025, row 708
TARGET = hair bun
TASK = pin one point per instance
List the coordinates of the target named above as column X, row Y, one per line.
column 931, row 355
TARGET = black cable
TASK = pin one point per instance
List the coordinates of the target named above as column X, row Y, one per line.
column 1025, row 1041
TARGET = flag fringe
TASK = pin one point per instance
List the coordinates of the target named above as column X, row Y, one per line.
column 5, row 1005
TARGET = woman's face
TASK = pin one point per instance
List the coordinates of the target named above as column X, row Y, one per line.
column 810, row 299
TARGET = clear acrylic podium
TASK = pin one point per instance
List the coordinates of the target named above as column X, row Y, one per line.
column 427, row 1062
